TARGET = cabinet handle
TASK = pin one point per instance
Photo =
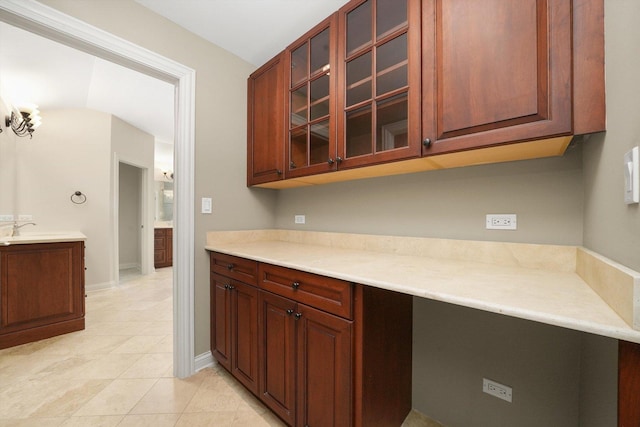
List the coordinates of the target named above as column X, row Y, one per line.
column 330, row 161
column 339, row 159
column 298, row 316
column 230, row 267
column 289, row 312
column 295, row 285
column 427, row 142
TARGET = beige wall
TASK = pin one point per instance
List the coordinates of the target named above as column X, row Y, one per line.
column 220, row 150
column 69, row 152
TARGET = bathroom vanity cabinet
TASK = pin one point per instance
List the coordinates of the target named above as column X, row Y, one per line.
column 41, row 291
column 316, row 350
column 162, row 247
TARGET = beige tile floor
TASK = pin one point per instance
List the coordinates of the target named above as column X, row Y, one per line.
column 118, row 371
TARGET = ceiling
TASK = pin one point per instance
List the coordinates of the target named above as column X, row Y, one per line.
column 35, row 70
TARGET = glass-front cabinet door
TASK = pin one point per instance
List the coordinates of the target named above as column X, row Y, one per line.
column 379, row 83
column 310, row 65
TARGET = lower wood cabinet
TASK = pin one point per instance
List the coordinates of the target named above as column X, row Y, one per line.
column 162, row 247
column 317, row 351
column 41, row 291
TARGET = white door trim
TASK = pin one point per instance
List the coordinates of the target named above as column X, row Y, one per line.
column 53, row 24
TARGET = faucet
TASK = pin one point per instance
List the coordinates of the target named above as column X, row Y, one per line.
column 16, row 228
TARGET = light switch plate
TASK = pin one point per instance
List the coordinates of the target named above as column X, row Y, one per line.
column 206, row 205
column 632, row 176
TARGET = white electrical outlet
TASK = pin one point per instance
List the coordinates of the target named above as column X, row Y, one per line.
column 498, row 390
column 300, row 219
column 502, row 222
column 6, row 217
column 22, row 217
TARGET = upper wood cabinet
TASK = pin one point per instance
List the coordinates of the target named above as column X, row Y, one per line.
column 495, row 72
column 430, row 84
column 379, row 82
column 265, row 123
column 310, row 101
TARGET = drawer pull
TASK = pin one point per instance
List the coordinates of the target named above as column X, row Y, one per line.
column 295, row 285
column 298, row 316
column 289, row 312
column 230, row 267
column 231, row 287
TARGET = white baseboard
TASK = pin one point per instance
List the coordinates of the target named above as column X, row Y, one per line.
column 99, row 286
column 204, row 360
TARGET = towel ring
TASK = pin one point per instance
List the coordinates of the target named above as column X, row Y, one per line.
column 78, row 198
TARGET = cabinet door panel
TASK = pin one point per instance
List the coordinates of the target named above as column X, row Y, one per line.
column 39, row 286
column 324, row 369
column 503, row 72
column 277, row 362
column 221, row 320
column 245, row 333
column 265, row 109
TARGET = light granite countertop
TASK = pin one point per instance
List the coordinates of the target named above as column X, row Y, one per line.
column 44, row 237
column 558, row 285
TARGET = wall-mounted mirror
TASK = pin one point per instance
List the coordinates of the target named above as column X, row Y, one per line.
column 164, row 201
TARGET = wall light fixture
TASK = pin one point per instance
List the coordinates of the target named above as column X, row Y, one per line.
column 24, row 121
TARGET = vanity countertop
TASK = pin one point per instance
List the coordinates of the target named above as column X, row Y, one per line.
column 559, row 285
column 43, row 237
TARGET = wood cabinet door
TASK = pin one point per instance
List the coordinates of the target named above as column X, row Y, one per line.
column 40, row 284
column 310, row 101
column 277, row 361
column 244, row 333
column 265, row 123
column 221, row 320
column 379, row 82
column 324, row 369
column 494, row 72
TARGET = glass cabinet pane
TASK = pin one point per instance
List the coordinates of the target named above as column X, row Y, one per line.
column 359, row 79
column 320, row 53
column 359, row 32
column 298, row 147
column 299, row 106
column 319, row 143
column 319, row 97
column 392, row 124
column 358, row 132
column 299, row 65
column 391, row 65
column 390, row 15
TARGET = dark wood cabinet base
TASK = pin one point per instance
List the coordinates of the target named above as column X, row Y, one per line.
column 628, row 384
column 39, row 333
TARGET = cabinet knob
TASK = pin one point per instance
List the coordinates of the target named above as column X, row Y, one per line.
column 339, row 159
column 330, row 161
column 230, row 267
column 298, row 316
column 226, row 286
column 289, row 312
column 231, row 287
column 295, row 285
column 278, row 171
column 427, row 142
column 292, row 165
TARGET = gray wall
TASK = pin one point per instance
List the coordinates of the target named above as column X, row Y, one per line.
column 611, row 227
column 567, row 200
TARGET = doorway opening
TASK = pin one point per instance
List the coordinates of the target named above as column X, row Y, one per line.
column 52, row 24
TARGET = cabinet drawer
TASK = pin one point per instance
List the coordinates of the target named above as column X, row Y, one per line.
column 244, row 270
column 327, row 294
